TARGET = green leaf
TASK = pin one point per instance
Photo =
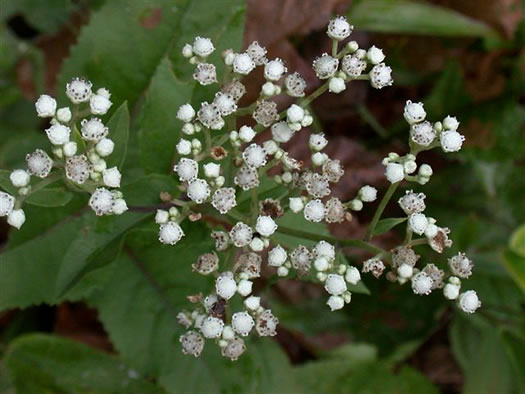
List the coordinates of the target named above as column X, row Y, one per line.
column 118, row 127
column 385, row 225
column 515, row 265
column 172, row 84
column 84, row 254
column 50, row 197
column 5, row 183
column 298, row 222
column 40, row 363
column 414, row 17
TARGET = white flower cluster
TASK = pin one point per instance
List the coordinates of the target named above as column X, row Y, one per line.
column 218, row 162
column 423, row 136
column 80, row 153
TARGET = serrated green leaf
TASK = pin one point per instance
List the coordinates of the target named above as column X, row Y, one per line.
column 385, row 225
column 414, row 17
column 118, row 127
column 44, row 363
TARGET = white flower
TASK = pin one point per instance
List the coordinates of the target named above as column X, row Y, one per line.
column 19, row 178
column 162, row 217
column 225, row 285
column 335, row 303
column 198, row 190
column 243, row 64
column 186, row 169
column 277, row 256
column 336, row 85
column 335, row 284
column 225, row 103
column 451, row 291
column 352, row 275
column 46, row 106
column 183, row 147
column 265, row 226
column 78, row 90
column 425, row 170
column 319, row 158
column 224, row 199
column 314, row 211
column 422, row 133
column 451, row 141
column 339, row 28
column 112, row 177
column 469, row 301
column 242, row 323
column 318, row 142
column 192, row 343
column 282, row 271
column 381, row 76
column 321, row 264
column 353, row 65
column 254, row 155
column 185, row 113
column 324, row 249
column 78, row 169
column 368, row 193
column 414, row 112
column 212, row 327
column 422, row 283
column 70, row 149
column 233, row 349
column 7, row 203
column 210, row 116
column 205, row 74
column 58, row 134
column 269, row 89
column 101, row 201
column 241, row 234
column 244, row 287
column 394, row 172
column 295, row 114
column 266, row 324
column 295, row 85
column 281, row 132
column 16, row 218
column 405, row 271
column 418, row 223
column 187, row 51
column 375, row 55
column 203, row 46
column 450, row 123
column 99, row 104
column 412, row 202
column 274, row 70
column 325, row 66
column 39, row 163
column 105, row 147
column 212, row 170
column 120, row 206
column 93, row 129
column 170, row 233
column 257, row 53
column 461, row 265
column 64, row 115
column 356, row 205
column 252, row 303
column 246, row 134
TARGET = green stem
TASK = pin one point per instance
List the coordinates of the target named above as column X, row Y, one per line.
column 380, row 209
column 316, row 93
column 369, row 118
column 356, row 243
column 334, row 48
column 419, row 241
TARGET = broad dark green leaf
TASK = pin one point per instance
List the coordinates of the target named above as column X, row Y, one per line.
column 385, row 225
column 40, row 363
column 414, row 17
column 118, row 127
column 517, row 240
column 84, row 254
